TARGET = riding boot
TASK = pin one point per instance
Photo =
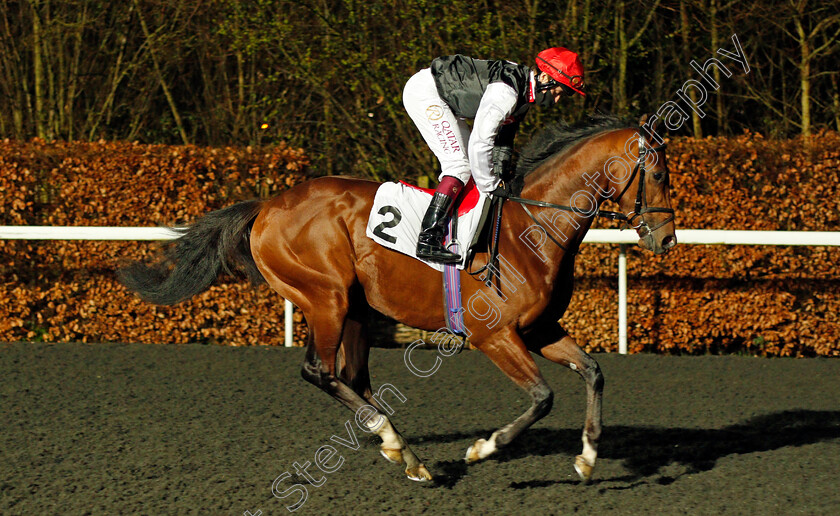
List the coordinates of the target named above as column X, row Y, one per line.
column 430, row 243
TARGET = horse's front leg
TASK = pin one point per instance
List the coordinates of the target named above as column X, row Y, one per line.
column 555, row 344
column 508, row 352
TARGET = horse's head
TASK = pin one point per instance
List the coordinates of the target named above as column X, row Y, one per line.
column 645, row 197
column 564, row 159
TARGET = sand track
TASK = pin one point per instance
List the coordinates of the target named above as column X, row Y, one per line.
column 132, row 429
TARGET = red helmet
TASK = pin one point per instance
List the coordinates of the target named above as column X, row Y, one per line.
column 563, row 66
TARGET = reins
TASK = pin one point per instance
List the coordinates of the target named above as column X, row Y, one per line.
column 640, row 208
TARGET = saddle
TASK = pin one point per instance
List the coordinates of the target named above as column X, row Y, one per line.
column 398, row 210
column 395, row 222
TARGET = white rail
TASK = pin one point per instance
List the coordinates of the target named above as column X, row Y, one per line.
column 602, row 236
column 701, row 237
column 723, row 237
column 84, row 233
column 113, row 233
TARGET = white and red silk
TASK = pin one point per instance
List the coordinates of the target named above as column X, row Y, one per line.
column 462, row 153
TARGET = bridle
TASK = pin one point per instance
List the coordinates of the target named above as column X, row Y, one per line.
column 640, row 207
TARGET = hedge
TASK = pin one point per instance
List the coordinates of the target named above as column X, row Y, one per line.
column 66, row 291
column 760, row 300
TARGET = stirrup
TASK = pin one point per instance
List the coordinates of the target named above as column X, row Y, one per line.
column 439, row 255
column 435, row 251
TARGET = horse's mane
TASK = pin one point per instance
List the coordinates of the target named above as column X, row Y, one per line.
column 558, row 137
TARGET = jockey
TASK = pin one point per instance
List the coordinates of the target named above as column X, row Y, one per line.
column 496, row 95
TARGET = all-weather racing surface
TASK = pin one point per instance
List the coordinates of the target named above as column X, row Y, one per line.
column 139, row 429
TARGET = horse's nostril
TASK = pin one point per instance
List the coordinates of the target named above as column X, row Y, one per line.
column 669, row 242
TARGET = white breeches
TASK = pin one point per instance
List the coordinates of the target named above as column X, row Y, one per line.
column 446, row 134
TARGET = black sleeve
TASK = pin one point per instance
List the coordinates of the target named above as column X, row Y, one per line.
column 503, row 151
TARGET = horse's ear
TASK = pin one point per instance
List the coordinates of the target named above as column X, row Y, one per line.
column 643, row 120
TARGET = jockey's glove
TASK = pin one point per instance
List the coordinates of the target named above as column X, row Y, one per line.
column 503, row 161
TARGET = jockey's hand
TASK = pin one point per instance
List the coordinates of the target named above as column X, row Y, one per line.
column 500, row 191
column 503, row 161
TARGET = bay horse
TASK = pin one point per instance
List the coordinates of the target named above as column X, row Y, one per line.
column 309, row 244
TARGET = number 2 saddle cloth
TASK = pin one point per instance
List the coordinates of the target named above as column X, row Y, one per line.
column 398, row 211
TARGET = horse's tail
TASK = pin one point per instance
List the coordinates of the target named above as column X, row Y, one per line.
column 218, row 241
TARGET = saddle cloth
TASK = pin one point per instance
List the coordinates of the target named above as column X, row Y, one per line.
column 398, row 211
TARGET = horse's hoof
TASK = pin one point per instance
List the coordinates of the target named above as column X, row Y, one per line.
column 474, row 452
column 583, row 468
column 392, row 455
column 418, row 473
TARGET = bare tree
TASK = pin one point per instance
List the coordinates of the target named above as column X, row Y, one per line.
column 626, row 38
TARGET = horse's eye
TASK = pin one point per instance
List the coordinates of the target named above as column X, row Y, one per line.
column 658, row 176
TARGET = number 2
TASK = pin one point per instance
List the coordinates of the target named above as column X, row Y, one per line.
column 397, row 217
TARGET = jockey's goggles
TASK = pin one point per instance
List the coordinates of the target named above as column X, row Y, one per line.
column 575, row 81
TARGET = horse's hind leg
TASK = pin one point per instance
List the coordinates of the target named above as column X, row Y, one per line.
column 555, row 344
column 352, row 359
column 508, row 352
column 352, row 367
column 349, row 383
